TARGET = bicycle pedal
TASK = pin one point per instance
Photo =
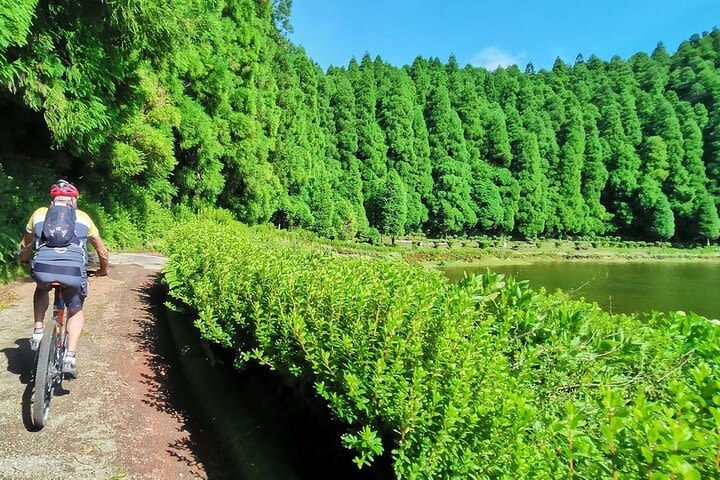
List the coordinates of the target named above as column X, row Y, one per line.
column 35, row 342
column 69, row 371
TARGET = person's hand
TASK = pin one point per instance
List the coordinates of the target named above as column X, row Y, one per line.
column 25, row 258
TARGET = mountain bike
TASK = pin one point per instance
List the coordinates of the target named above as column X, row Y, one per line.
column 49, row 359
column 48, row 369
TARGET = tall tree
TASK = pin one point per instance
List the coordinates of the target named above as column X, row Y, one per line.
column 495, row 147
column 342, row 103
column 394, row 206
column 572, row 208
column 421, row 183
column 408, row 150
column 622, row 162
column 594, row 176
column 371, row 142
column 677, row 185
column 451, row 204
column 708, row 223
column 471, row 110
column 658, row 221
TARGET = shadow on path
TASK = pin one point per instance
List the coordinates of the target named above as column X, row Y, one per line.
column 21, row 362
column 165, row 385
column 243, row 425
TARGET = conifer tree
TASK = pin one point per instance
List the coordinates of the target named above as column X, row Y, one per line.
column 371, row 142
column 708, row 223
column 496, row 145
column 650, row 73
column 451, row 203
column 421, row 78
column 509, row 190
column 571, row 209
column 594, row 176
column 471, row 109
column 527, row 167
column 397, row 116
column 677, row 185
column 655, row 159
column 692, row 161
column 622, row 162
column 658, row 219
column 486, row 197
column 421, row 185
column 342, row 103
column 394, row 206
column 629, row 118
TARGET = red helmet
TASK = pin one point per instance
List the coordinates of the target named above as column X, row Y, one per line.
column 63, row 189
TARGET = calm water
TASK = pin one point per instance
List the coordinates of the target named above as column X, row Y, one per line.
column 622, row 287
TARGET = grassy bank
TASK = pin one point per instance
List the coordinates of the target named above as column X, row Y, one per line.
column 483, row 379
column 474, row 251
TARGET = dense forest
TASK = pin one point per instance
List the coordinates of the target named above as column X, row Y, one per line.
column 154, row 106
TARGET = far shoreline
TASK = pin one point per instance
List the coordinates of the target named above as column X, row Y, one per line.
column 498, row 261
column 454, row 253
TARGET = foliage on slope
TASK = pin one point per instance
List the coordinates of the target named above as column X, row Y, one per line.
column 486, row 379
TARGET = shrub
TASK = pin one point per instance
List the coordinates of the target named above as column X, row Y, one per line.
column 373, row 236
column 484, row 379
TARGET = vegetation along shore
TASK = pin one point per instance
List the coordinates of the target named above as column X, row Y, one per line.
column 199, row 129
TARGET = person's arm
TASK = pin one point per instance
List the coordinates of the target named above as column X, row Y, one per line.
column 102, row 252
column 26, row 252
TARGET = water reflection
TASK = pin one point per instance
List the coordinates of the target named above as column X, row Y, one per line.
column 622, row 287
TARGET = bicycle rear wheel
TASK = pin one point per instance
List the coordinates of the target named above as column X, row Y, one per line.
column 45, row 373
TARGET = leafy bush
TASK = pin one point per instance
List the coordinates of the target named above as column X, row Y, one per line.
column 18, row 199
column 372, row 236
column 485, row 379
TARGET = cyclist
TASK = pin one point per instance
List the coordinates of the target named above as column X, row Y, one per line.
column 64, row 263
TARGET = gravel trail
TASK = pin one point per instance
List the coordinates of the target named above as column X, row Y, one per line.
column 119, row 418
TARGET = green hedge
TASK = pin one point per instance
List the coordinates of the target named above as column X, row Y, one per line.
column 486, row 379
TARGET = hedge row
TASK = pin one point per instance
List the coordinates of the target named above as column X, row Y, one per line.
column 485, row 379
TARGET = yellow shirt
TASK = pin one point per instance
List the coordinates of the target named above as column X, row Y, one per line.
column 84, row 226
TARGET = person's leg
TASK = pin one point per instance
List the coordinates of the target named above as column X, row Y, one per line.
column 74, row 299
column 41, row 301
column 74, row 329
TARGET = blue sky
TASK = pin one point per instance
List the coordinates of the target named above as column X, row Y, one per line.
column 491, row 33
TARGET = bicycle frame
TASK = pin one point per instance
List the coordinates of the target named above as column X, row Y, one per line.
column 59, row 313
column 58, row 319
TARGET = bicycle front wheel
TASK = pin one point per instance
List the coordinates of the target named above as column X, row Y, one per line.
column 45, row 373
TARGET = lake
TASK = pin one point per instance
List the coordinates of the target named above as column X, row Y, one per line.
column 619, row 287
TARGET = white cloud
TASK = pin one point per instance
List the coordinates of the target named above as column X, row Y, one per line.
column 492, row 57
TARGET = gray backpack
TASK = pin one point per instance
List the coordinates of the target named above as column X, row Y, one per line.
column 59, row 226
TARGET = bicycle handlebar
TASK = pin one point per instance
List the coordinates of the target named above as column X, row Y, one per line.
column 27, row 247
column 21, row 250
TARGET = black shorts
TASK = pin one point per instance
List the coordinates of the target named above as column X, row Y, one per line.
column 74, row 297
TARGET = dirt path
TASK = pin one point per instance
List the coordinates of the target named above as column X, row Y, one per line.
column 116, row 421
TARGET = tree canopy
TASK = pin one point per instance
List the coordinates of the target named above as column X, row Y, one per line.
column 200, row 103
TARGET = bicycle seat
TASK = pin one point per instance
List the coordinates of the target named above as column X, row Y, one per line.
column 55, row 284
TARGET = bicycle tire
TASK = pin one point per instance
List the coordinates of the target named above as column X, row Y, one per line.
column 44, row 376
